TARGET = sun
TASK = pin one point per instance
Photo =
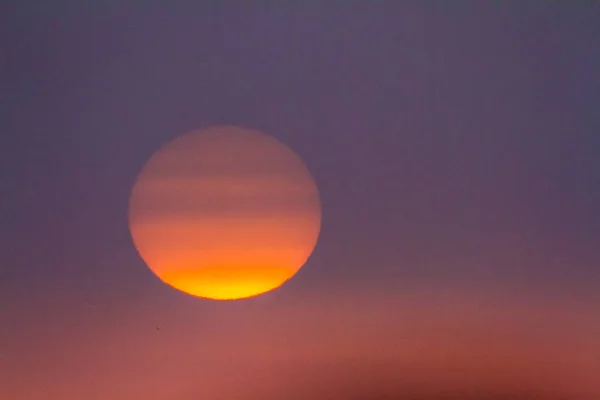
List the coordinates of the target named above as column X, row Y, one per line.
column 225, row 213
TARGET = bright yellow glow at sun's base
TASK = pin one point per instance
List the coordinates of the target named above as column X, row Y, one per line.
column 225, row 213
column 227, row 283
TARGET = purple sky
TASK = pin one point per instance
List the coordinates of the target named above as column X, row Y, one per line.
column 454, row 143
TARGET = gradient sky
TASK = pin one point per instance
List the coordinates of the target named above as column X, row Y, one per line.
column 456, row 146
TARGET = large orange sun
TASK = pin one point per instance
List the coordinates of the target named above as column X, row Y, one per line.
column 225, row 213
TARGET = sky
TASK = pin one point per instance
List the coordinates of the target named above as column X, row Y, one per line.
column 455, row 146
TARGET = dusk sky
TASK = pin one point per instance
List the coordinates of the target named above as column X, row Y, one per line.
column 456, row 148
